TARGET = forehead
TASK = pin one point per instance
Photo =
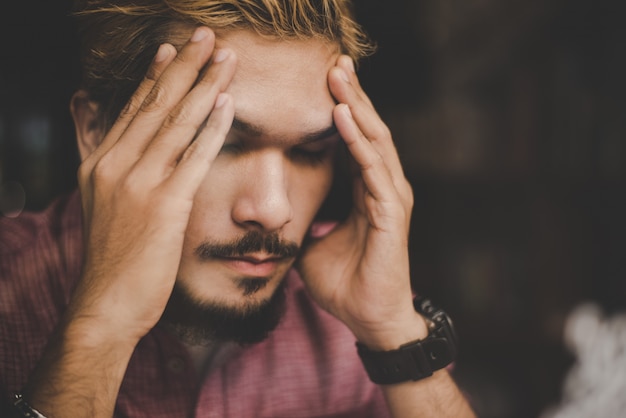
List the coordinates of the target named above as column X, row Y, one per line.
column 281, row 84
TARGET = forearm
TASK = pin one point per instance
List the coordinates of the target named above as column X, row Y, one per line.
column 79, row 375
column 435, row 396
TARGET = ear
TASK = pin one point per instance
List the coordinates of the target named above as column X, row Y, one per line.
column 89, row 133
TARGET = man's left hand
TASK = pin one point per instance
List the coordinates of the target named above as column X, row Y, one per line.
column 359, row 272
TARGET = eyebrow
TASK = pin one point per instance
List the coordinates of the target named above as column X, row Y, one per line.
column 253, row 130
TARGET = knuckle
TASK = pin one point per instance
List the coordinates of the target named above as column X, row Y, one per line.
column 372, row 163
column 181, row 115
column 151, row 75
column 131, row 107
column 156, row 99
column 134, row 104
column 382, row 132
column 128, row 186
column 376, row 160
column 99, row 172
column 102, row 172
column 84, row 171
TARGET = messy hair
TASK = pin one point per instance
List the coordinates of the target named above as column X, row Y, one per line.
column 120, row 37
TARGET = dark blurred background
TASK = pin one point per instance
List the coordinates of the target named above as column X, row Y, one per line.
column 509, row 118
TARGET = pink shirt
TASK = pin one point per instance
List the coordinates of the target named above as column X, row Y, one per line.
column 308, row 367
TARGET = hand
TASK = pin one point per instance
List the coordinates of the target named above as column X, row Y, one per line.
column 360, row 271
column 138, row 187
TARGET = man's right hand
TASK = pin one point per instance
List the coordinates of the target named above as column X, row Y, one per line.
column 137, row 187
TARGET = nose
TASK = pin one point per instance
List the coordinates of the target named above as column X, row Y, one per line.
column 262, row 201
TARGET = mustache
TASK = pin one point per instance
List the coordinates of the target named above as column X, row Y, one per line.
column 251, row 242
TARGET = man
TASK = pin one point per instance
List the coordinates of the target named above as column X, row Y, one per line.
column 208, row 132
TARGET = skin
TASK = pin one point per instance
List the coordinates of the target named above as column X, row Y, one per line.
column 264, row 180
column 160, row 182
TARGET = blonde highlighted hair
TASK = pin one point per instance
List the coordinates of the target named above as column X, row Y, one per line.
column 120, row 37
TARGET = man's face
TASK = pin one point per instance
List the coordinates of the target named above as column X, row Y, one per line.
column 262, row 192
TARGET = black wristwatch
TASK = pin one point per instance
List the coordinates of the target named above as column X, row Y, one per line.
column 417, row 359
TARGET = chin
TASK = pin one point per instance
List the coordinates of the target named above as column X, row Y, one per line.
column 249, row 320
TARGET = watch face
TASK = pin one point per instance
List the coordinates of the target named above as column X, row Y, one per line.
column 440, row 324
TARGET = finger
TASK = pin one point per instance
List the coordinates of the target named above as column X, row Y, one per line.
column 344, row 87
column 184, row 121
column 164, row 56
column 173, row 84
column 198, row 157
column 376, row 176
column 347, row 64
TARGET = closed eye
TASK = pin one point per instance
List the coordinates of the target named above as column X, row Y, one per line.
column 314, row 153
column 310, row 157
column 231, row 148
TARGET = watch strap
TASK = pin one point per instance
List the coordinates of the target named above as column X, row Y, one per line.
column 417, row 359
column 413, row 361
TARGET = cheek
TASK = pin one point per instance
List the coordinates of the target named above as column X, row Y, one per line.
column 311, row 188
column 210, row 213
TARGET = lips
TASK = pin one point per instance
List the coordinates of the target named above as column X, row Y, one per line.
column 253, row 265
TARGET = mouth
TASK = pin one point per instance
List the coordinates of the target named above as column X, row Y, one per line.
column 253, row 265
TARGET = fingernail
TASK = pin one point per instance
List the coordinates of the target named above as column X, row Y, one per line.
column 162, row 53
column 199, row 34
column 351, row 65
column 347, row 110
column 345, row 77
column 220, row 55
column 221, row 99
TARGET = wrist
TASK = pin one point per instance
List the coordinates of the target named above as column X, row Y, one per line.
column 91, row 335
column 390, row 335
column 98, row 323
column 416, row 359
column 81, row 369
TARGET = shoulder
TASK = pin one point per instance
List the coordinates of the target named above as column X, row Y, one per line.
column 40, row 257
column 40, row 252
column 42, row 247
column 25, row 230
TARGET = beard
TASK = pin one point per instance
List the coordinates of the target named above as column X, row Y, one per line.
column 200, row 322
column 196, row 322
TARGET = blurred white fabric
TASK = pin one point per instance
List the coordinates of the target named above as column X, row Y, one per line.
column 595, row 387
